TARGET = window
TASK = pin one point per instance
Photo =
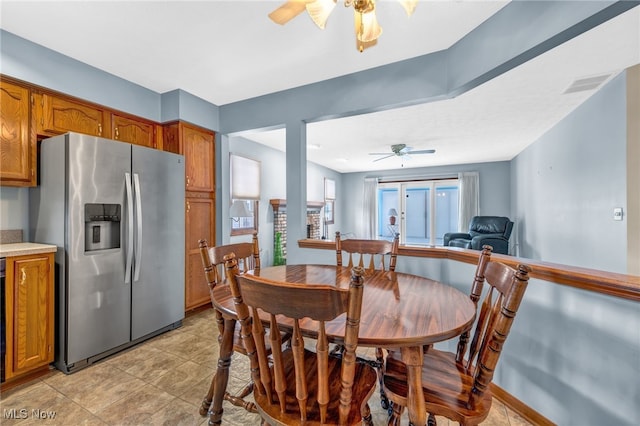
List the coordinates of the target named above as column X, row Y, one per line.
column 328, row 212
column 245, row 193
column 421, row 211
column 329, row 200
column 243, row 217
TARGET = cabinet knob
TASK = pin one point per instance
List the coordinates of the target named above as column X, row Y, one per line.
column 23, row 279
column 117, row 133
column 188, row 207
column 99, row 129
column 187, row 180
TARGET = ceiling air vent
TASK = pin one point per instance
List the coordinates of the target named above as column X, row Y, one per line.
column 588, row 83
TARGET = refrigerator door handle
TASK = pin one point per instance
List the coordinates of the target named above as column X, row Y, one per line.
column 127, row 268
column 138, row 251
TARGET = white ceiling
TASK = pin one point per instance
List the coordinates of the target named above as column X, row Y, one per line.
column 225, row 51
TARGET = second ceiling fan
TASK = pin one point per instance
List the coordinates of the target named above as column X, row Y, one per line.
column 400, row 150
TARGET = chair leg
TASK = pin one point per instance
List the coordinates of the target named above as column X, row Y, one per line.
column 384, row 401
column 238, row 400
column 206, row 401
column 432, row 420
column 367, row 420
column 395, row 414
column 221, row 378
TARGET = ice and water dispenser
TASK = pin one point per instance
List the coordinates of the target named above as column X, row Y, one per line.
column 101, row 226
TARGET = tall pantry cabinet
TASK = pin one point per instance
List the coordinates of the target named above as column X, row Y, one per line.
column 198, row 147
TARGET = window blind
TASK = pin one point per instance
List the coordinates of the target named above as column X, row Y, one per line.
column 245, row 178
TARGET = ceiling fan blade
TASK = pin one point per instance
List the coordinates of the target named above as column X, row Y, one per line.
column 288, row 10
column 423, row 151
column 379, row 153
column 382, row 158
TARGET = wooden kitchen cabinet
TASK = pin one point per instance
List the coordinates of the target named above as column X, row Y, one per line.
column 56, row 115
column 29, row 299
column 199, row 153
column 134, row 131
column 199, row 223
column 17, row 136
column 198, row 147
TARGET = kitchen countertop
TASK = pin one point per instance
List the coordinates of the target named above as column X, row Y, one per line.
column 22, row 249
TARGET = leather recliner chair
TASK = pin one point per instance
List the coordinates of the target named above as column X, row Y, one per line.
column 483, row 230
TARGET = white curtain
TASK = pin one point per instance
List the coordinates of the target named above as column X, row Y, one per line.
column 369, row 208
column 469, row 199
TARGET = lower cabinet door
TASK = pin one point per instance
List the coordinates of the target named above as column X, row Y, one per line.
column 200, row 216
column 29, row 310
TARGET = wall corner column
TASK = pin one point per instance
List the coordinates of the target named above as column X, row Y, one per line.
column 296, row 149
column 633, row 170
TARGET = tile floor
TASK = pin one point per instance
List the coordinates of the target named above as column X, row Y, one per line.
column 159, row 382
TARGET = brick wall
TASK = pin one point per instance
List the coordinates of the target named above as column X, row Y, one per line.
column 280, row 225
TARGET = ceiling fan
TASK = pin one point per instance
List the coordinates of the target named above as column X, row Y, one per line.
column 400, row 150
column 366, row 24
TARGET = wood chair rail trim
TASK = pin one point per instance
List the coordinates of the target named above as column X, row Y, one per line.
column 609, row 283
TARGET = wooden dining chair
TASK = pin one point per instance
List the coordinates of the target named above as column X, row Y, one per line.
column 299, row 386
column 375, row 254
column 476, row 292
column 248, row 257
column 456, row 385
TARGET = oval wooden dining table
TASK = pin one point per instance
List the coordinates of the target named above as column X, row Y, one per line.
column 398, row 311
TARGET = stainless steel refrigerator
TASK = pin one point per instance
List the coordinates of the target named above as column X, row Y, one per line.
column 116, row 212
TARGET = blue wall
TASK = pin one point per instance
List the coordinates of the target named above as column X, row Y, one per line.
column 38, row 65
column 273, row 186
column 566, row 185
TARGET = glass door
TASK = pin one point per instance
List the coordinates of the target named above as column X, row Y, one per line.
column 416, row 214
column 421, row 211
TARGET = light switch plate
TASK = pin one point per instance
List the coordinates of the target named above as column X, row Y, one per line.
column 617, row 213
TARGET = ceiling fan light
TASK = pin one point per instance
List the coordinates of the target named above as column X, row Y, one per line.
column 409, row 6
column 319, row 11
column 367, row 27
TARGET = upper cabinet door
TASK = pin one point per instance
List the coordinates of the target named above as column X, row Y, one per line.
column 17, row 143
column 199, row 153
column 56, row 116
column 133, row 131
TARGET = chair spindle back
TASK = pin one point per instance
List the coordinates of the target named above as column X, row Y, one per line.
column 257, row 298
column 369, row 252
